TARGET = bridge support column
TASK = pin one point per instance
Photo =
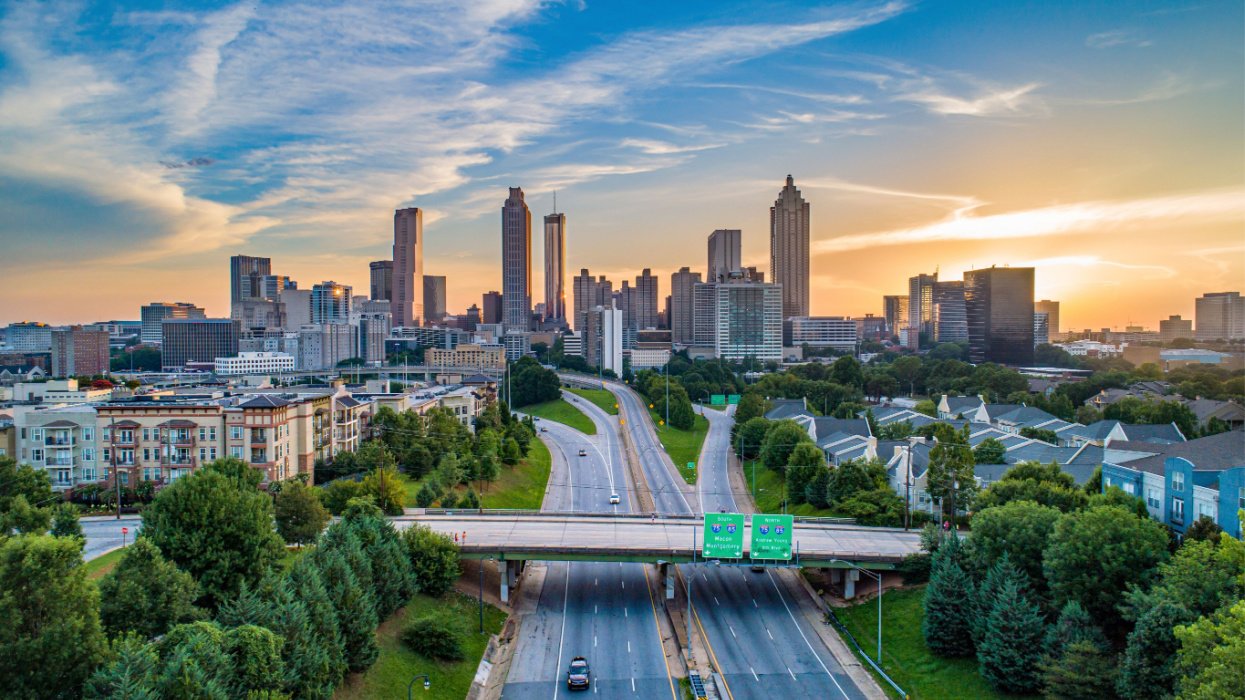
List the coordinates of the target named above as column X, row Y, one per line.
column 667, row 572
column 849, row 586
column 836, row 577
column 503, row 573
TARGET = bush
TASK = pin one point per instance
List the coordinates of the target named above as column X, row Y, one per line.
column 915, row 568
column 434, row 558
column 435, row 637
column 337, row 494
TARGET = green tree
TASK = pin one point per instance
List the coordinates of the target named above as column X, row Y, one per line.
column 880, row 507
column 1209, row 659
column 308, row 587
column 815, row 491
column 426, row 496
column 1095, row 553
column 1202, row 576
column 388, row 488
column 949, row 604
column 24, row 518
column 217, row 526
column 749, row 437
column 435, row 637
column 338, row 493
column 780, row 440
column 130, row 673
column 1148, row 668
column 927, row 407
column 950, row 475
column 530, row 383
column 510, row 452
column 989, row 451
column 355, row 608
column 65, row 521
column 51, row 640
column 434, row 559
column 1084, row 671
column 1045, row 484
column 24, row 480
column 847, row 371
column 1011, row 649
column 1019, row 530
column 145, row 594
column 1042, row 434
column 194, row 663
column 300, row 515
column 854, row 477
column 256, row 656
column 998, row 575
column 1073, row 625
column 751, row 405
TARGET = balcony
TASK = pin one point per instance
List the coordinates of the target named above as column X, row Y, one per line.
column 186, row 438
column 59, row 441
column 58, row 462
column 259, row 436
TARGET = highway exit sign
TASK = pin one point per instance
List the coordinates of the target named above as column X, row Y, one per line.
column 771, row 537
column 733, row 399
column 724, row 536
column 717, row 400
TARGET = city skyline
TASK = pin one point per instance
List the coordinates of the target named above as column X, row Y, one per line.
column 913, row 160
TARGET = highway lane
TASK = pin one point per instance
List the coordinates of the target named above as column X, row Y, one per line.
column 760, row 642
column 602, row 611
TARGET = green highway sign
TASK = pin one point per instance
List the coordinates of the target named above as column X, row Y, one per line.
column 717, row 400
column 771, row 537
column 733, row 399
column 691, row 466
column 724, row 536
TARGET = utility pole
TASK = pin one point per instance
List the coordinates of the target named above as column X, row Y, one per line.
column 112, row 458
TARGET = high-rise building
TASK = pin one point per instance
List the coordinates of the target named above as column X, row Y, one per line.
column 153, row 315
column 372, row 329
column 271, row 286
column 407, row 301
column 246, row 275
column 895, row 312
column 724, row 253
column 590, row 292
column 516, row 262
column 79, row 351
column 29, row 336
column 603, row 338
column 198, row 340
column 838, row 332
column 297, row 304
column 644, row 300
column 950, row 315
column 1041, row 328
column 434, row 298
column 1175, row 327
column 999, row 301
column 1051, row 309
column 491, row 308
column 555, row 267
column 330, row 302
column 259, row 314
column 788, row 249
column 382, row 279
column 1220, row 316
column 921, row 308
column 704, row 314
column 749, row 321
column 472, row 319
column 323, row 346
column 681, row 305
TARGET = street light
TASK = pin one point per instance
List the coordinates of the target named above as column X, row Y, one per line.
column 411, row 686
column 878, row 577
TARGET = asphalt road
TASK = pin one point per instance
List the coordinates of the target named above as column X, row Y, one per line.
column 601, row 611
column 103, row 534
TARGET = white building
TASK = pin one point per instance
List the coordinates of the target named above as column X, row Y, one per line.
column 749, row 321
column 573, row 344
column 255, row 363
column 1091, row 348
column 838, row 332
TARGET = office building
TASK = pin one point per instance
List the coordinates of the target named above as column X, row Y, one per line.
column 870, row 327
column 999, row 302
column 434, row 298
column 407, row 303
column 837, row 332
column 246, row 275
column 331, row 302
column 573, row 344
column 1220, row 316
column 79, row 351
column 603, row 338
column 788, row 249
column 749, row 321
column 516, row 343
column 296, row 305
column 682, row 284
column 491, row 308
column 516, row 262
column 381, row 280
column 259, row 314
column 323, row 346
column 555, row 267
column 468, row 356
column 1041, row 328
column 644, row 300
column 271, row 286
column 245, row 363
column 472, row 318
column 895, row 312
column 198, row 341
column 590, row 292
column 1051, row 309
column 29, row 336
column 950, row 315
column 921, row 308
column 153, row 315
column 1175, row 327
column 372, row 327
column 724, row 254
column 704, row 314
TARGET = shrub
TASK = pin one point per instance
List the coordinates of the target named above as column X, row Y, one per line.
column 435, row 637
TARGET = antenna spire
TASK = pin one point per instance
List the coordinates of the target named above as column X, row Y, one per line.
column 555, row 202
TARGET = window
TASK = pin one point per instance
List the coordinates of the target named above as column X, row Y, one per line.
column 202, row 433
column 1206, row 510
column 88, row 454
column 88, row 434
column 212, row 433
column 151, row 473
column 36, row 455
column 125, row 457
column 235, row 451
column 235, row 432
column 105, row 434
column 146, row 434
column 89, row 474
column 63, row 477
column 211, row 454
column 1152, row 498
column 1130, row 489
column 1178, row 510
column 106, row 454
column 146, row 454
column 1240, row 497
column 202, row 454
column 1178, row 482
column 36, row 434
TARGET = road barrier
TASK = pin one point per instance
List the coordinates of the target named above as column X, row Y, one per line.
column 838, row 625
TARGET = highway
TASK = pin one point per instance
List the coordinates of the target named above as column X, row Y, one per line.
column 759, row 638
column 602, row 611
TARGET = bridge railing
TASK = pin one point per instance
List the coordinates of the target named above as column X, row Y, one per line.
column 509, row 512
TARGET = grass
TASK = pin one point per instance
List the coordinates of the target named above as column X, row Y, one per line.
column 770, row 490
column 601, row 397
column 521, row 486
column 562, row 412
column 683, row 446
column 716, row 408
column 397, row 665
column 904, row 656
column 101, row 565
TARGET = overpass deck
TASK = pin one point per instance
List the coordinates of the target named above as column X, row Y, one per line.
column 560, row 537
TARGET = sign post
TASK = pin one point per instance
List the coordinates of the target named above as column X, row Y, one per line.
column 124, row 532
column 771, row 537
column 724, row 536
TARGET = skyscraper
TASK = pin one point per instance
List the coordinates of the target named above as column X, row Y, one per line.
column 153, row 315
column 681, row 305
column 434, row 298
column 950, row 314
column 490, row 308
column 555, row 267
column 788, row 249
column 330, row 302
column 406, row 300
column 644, row 300
column 1220, row 315
column 79, row 350
column 382, row 280
column 999, row 302
column 1051, row 309
column 749, row 321
column 589, row 291
column 244, row 276
column 895, row 311
column 724, row 253
column 516, row 262
column 921, row 308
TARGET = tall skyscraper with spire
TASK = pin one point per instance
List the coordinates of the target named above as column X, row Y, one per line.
column 555, row 264
column 407, row 304
column 516, row 262
column 788, row 249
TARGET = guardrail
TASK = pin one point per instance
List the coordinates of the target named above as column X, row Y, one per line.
column 507, row 512
column 842, row 628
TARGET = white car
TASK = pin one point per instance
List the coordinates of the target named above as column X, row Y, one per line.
column 614, row 499
column 583, row 453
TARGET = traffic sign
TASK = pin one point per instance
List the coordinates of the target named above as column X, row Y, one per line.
column 717, row 400
column 771, row 537
column 733, row 399
column 691, row 466
column 724, row 536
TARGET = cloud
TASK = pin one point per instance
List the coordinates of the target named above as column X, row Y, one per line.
column 1092, row 261
column 661, row 148
column 1094, row 217
column 985, row 102
column 1116, row 38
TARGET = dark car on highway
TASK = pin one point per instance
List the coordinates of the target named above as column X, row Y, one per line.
column 577, row 676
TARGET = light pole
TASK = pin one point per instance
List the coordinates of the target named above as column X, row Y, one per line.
column 411, row 686
column 877, row 577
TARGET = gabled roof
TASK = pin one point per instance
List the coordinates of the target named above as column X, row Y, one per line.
column 786, row 408
column 178, row 423
column 1162, row 433
column 1041, row 452
column 477, row 379
column 1215, row 452
column 1098, row 430
column 61, row 424
column 264, row 401
column 1026, row 416
column 348, row 402
column 958, row 404
column 1204, row 409
column 829, row 426
column 998, row 410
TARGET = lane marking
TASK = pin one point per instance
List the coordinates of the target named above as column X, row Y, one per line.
column 754, row 674
column 754, row 604
column 633, row 684
column 771, row 634
column 557, row 685
column 594, row 609
column 801, row 631
column 594, row 640
column 628, row 646
column 709, row 645
column 657, row 625
column 791, row 672
column 624, row 585
column 715, row 600
column 732, row 629
column 624, row 612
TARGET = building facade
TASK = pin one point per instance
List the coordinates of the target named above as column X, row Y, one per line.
column 1051, row 309
column 246, row 275
column 788, row 246
column 555, row 267
column 644, row 300
column 682, row 284
column 725, row 245
column 516, row 261
column 1220, row 316
column 434, row 298
column 29, row 336
column 950, row 314
column 468, row 355
column 331, row 302
column 895, row 312
column 406, row 302
column 1175, row 327
column 838, row 332
column 999, row 301
column 921, row 308
column 79, row 351
column 153, row 315
column 201, row 340
column 255, row 363
column 381, row 287
column 749, row 322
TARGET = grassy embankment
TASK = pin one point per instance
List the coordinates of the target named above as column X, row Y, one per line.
column 601, row 397
column 562, row 412
column 521, row 486
column 769, row 491
column 683, row 446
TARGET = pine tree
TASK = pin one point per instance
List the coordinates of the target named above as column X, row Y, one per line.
column 1083, row 671
column 355, row 609
column 65, row 521
column 426, row 496
column 471, row 500
column 988, row 592
column 1011, row 649
column 949, row 604
column 130, row 675
column 256, row 656
column 308, row 667
column 1074, row 625
column 195, row 665
column 344, row 539
column 305, row 580
column 1148, row 666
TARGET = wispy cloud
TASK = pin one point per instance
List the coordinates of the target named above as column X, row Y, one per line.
column 661, row 148
column 1116, row 38
column 984, row 101
column 1095, row 261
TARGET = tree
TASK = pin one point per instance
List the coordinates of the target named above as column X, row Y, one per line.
column 846, row 370
column 510, row 452
column 435, row 637
column 24, row 518
column 997, row 576
column 1045, row 484
column 216, row 526
column 780, row 440
column 1203, row 529
column 749, row 437
column 880, row 507
column 434, row 559
column 1018, row 530
column 426, row 496
column 1084, row 671
column 337, row 494
column 751, row 405
column 1202, row 577
column 194, row 663
column 950, row 474
column 949, row 603
column 989, row 451
column 145, row 594
column 1209, row 659
column 817, row 487
column 1148, row 666
column 1011, row 648
column 300, row 515
column 305, row 582
column 530, row 383
column 24, row 480
column 51, row 640
column 1095, row 553
column 355, row 608
column 852, row 478
column 65, row 521
column 1048, row 436
column 255, row 653
column 906, row 371
column 130, row 674
column 388, row 489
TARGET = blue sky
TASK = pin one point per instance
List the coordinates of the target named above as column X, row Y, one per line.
column 142, row 144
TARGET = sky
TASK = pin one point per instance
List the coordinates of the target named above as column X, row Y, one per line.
column 143, row 144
